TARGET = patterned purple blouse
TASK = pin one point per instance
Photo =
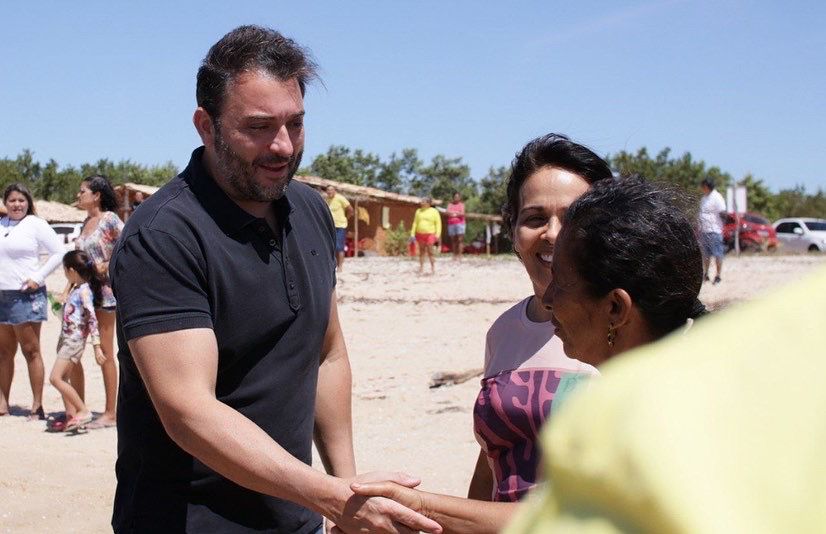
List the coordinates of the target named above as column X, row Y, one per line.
column 527, row 377
column 508, row 415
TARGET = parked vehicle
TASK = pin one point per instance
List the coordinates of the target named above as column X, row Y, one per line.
column 802, row 234
column 68, row 232
column 756, row 232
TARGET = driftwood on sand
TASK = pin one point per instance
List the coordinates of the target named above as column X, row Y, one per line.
column 449, row 378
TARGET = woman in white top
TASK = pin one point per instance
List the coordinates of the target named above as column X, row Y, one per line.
column 23, row 302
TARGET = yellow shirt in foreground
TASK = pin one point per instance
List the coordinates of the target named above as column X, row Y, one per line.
column 338, row 208
column 720, row 430
column 427, row 221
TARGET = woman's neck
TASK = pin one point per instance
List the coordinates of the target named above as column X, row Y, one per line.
column 94, row 211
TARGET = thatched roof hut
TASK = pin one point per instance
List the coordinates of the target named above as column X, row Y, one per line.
column 126, row 194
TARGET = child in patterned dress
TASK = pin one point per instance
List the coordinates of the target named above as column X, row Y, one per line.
column 79, row 322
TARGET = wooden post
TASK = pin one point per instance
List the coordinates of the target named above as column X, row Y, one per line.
column 126, row 205
column 356, row 231
column 488, row 237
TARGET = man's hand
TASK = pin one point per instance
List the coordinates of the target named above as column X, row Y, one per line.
column 397, row 518
column 402, row 494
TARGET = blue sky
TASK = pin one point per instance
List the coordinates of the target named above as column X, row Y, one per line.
column 741, row 85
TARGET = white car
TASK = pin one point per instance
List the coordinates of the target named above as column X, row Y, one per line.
column 68, row 232
column 801, row 234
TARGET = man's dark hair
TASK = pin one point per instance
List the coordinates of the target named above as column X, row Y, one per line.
column 631, row 234
column 708, row 182
column 249, row 48
column 551, row 150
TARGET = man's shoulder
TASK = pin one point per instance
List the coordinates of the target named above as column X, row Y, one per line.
column 171, row 209
column 302, row 194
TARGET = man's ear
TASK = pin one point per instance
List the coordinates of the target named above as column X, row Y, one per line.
column 619, row 305
column 205, row 126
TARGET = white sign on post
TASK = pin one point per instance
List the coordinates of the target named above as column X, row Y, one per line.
column 736, row 199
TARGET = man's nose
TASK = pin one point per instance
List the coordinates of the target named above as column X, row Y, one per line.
column 281, row 144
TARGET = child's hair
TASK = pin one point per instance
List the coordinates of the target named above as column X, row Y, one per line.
column 85, row 267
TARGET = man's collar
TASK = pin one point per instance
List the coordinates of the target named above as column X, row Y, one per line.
column 229, row 215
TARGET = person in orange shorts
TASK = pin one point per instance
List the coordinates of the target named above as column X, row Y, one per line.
column 426, row 230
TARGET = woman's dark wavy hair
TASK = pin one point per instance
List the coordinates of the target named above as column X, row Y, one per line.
column 248, row 48
column 85, row 267
column 631, row 234
column 550, row 150
column 101, row 184
column 17, row 187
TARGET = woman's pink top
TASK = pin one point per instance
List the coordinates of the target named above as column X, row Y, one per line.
column 459, row 209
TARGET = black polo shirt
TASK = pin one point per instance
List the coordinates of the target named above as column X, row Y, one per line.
column 191, row 258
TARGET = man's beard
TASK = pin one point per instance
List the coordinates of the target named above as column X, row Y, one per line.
column 240, row 175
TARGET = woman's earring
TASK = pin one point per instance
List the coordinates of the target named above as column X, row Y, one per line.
column 612, row 335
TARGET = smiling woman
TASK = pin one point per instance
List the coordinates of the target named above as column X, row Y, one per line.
column 23, row 292
column 527, row 374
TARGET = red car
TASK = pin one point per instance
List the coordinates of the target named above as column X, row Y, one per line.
column 756, row 232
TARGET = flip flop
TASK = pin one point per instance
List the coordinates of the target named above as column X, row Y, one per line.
column 98, row 424
column 77, row 423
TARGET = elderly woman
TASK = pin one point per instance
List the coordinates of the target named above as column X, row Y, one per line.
column 23, row 301
column 626, row 270
column 97, row 238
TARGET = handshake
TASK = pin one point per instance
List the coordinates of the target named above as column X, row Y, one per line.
column 384, row 502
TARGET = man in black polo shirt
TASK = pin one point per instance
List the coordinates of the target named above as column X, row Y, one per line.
column 232, row 355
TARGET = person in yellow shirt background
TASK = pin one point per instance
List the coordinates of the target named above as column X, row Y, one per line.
column 426, row 230
column 341, row 210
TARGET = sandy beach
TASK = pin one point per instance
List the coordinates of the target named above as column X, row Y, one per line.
column 400, row 329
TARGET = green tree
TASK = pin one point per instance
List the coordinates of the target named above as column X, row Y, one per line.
column 400, row 171
column 493, row 190
column 684, row 171
column 341, row 164
column 442, row 177
column 759, row 198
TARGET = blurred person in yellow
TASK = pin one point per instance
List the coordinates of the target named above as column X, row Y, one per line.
column 341, row 210
column 426, row 231
column 684, row 435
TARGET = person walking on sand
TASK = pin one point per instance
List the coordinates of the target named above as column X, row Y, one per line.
column 426, row 231
column 79, row 322
column 231, row 350
column 341, row 210
column 456, row 224
column 712, row 210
